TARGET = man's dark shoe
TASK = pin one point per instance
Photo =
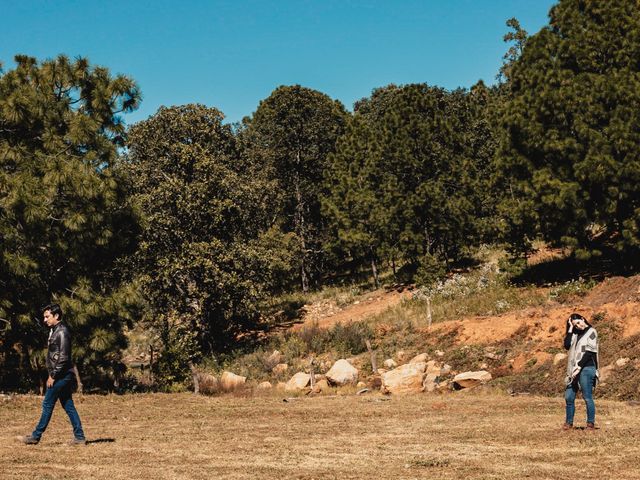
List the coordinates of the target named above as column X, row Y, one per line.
column 590, row 426
column 28, row 440
column 567, row 426
column 78, row 441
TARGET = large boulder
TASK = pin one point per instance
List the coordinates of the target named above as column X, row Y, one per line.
column 404, row 379
column 230, row 381
column 430, row 382
column 389, row 363
column 342, row 373
column 433, row 367
column 265, row 386
column 422, row 357
column 471, row 379
column 298, row 382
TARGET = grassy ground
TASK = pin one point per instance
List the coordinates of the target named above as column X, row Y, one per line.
column 472, row 435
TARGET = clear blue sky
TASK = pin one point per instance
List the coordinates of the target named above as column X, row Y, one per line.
column 232, row 54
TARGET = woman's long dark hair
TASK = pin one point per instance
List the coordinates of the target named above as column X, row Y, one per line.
column 576, row 316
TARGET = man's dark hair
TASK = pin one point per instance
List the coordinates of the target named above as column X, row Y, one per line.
column 55, row 309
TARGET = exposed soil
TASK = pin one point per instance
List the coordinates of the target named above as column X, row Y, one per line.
column 368, row 305
column 617, row 298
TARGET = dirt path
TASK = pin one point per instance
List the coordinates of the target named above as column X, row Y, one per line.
column 368, row 305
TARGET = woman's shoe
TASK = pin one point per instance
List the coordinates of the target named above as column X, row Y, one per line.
column 590, row 426
column 567, row 426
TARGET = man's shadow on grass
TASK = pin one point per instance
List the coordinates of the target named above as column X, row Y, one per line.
column 101, row 440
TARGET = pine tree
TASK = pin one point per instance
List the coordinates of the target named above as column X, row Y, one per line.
column 65, row 220
column 410, row 177
column 570, row 162
column 291, row 135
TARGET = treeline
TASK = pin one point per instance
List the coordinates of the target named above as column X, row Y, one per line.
column 185, row 225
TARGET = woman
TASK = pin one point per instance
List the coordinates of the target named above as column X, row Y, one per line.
column 581, row 340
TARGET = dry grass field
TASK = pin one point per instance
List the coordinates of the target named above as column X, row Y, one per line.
column 472, row 435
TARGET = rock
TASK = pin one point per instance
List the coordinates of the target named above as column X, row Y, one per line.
column 604, row 372
column 439, row 353
column 273, row 359
column 471, row 379
column 342, row 373
column 621, row 362
column 325, row 365
column 559, row 357
column 484, row 366
column 375, row 383
column 445, row 370
column 230, row 381
column 419, row 358
column 280, row 368
column 430, row 382
column 265, row 386
column 404, row 379
column 382, row 370
column 321, row 386
column 208, row 384
column 390, row 363
column 361, row 385
column 362, row 391
column 298, row 382
column 433, row 367
column 491, row 356
column 402, row 356
column 280, row 385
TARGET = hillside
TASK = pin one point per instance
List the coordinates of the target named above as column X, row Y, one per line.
column 480, row 322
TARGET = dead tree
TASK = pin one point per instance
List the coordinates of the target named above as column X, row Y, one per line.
column 372, row 354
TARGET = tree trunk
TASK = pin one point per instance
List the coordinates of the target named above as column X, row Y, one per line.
column 429, row 311
column 299, row 228
column 194, row 375
column 312, row 373
column 374, row 270
column 78, row 380
column 372, row 354
column 393, row 267
column 151, row 364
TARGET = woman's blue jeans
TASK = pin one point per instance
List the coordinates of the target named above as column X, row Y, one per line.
column 61, row 390
column 587, row 376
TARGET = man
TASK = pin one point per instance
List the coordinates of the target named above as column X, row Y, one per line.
column 61, row 381
column 581, row 340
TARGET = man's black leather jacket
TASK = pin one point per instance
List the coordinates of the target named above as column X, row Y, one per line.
column 59, row 354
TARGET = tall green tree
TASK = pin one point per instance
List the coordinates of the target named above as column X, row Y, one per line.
column 207, row 254
column 65, row 219
column 410, row 176
column 291, row 135
column 570, row 162
column 350, row 202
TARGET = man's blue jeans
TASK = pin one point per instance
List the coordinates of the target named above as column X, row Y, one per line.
column 587, row 375
column 61, row 390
